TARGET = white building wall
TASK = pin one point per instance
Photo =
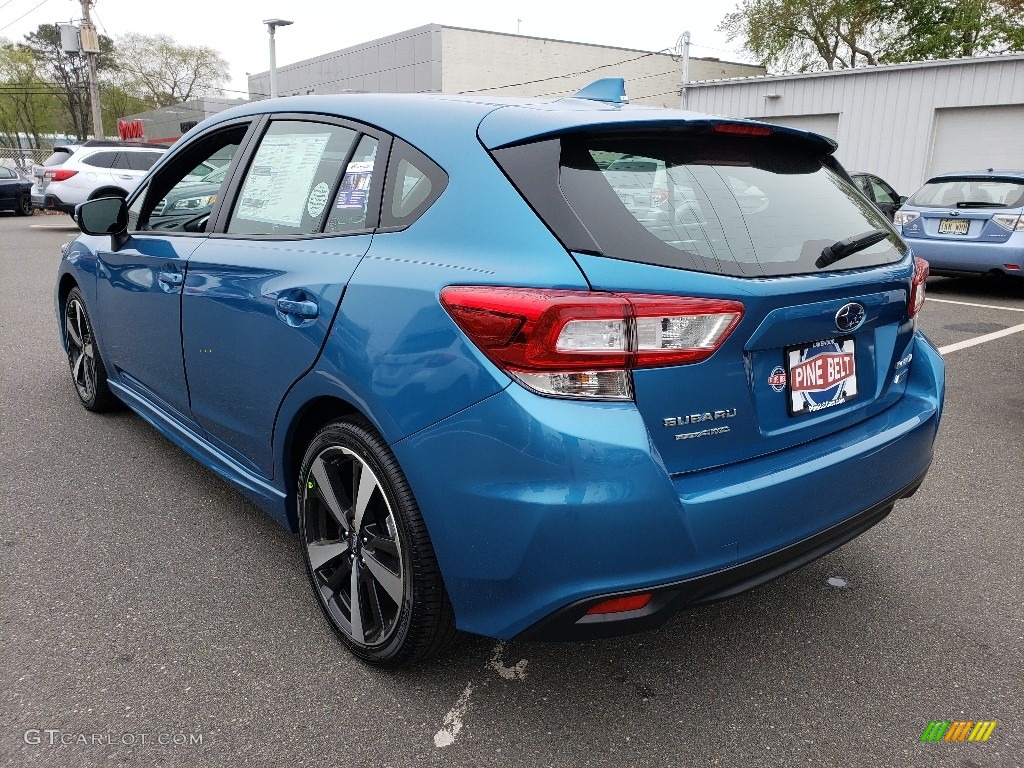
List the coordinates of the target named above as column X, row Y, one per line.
column 406, row 62
column 886, row 114
column 497, row 64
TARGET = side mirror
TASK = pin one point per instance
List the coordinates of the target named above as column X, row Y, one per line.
column 103, row 216
column 902, row 200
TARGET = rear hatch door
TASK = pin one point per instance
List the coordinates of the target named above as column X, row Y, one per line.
column 727, row 215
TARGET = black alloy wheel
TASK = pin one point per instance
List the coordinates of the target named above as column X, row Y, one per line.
column 88, row 373
column 24, row 207
column 368, row 555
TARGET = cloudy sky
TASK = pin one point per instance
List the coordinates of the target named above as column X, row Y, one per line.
column 235, row 29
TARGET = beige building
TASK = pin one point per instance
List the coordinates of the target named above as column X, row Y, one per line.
column 436, row 58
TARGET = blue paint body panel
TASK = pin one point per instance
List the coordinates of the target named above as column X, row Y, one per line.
column 531, row 502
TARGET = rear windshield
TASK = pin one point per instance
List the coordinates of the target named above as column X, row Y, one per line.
column 970, row 192
column 747, row 206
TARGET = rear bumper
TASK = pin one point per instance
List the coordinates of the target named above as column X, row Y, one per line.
column 573, row 622
column 51, row 203
column 971, row 257
column 592, row 513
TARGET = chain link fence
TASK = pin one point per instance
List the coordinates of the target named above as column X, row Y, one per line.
column 22, row 159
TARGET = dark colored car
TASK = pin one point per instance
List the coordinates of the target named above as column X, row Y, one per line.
column 879, row 192
column 15, row 192
column 535, row 370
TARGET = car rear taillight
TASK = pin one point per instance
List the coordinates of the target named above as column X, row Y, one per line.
column 901, row 218
column 584, row 344
column 917, row 288
column 1009, row 222
column 59, row 175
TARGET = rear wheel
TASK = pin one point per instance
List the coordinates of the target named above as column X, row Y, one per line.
column 24, row 207
column 88, row 373
column 368, row 555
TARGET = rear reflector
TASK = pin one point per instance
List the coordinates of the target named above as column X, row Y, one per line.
column 1011, row 266
column 621, row 604
column 584, row 343
column 917, row 288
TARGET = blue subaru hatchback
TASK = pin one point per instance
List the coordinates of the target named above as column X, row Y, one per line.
column 536, row 370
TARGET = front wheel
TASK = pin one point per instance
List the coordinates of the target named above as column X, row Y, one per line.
column 88, row 373
column 368, row 555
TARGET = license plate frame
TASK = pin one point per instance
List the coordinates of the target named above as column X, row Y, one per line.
column 806, row 392
column 954, row 226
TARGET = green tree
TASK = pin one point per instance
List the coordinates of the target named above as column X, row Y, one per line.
column 812, row 35
column 157, row 70
column 808, row 35
column 954, row 28
column 28, row 104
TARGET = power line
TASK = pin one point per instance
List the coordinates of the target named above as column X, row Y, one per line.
column 6, row 4
column 11, row 24
column 560, row 77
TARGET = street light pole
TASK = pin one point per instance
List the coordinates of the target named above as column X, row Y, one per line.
column 273, row 24
column 683, row 46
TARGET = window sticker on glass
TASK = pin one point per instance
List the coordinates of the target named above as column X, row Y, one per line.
column 318, row 199
column 278, row 184
column 355, row 186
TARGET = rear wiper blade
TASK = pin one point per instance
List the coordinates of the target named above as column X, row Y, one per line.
column 833, row 253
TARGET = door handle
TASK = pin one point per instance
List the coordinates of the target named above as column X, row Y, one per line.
column 307, row 310
column 171, row 279
column 127, row 177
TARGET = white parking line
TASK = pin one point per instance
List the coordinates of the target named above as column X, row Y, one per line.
column 980, row 339
column 969, row 304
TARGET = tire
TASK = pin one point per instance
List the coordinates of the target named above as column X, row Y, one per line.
column 88, row 373
column 370, row 541
column 24, row 207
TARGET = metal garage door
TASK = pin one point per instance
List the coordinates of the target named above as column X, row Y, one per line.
column 826, row 125
column 975, row 138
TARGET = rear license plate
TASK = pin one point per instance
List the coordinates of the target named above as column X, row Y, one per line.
column 821, row 375
column 954, row 226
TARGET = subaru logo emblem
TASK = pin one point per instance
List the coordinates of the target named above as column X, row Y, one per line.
column 850, row 316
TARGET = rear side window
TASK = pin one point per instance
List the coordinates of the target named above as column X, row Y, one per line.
column 743, row 206
column 141, row 161
column 100, row 159
column 414, row 183
column 6, row 173
column 970, row 192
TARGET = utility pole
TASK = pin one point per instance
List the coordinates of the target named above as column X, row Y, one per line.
column 684, row 80
column 90, row 47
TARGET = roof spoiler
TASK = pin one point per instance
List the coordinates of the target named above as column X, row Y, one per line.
column 611, row 90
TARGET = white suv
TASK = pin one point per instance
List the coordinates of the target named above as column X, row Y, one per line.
column 75, row 173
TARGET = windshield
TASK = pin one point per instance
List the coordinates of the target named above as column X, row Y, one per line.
column 745, row 207
column 970, row 192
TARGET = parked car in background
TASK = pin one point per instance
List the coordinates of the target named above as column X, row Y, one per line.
column 74, row 173
column 15, row 192
column 879, row 192
column 968, row 222
column 531, row 370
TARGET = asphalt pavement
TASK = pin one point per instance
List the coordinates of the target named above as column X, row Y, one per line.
column 151, row 616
